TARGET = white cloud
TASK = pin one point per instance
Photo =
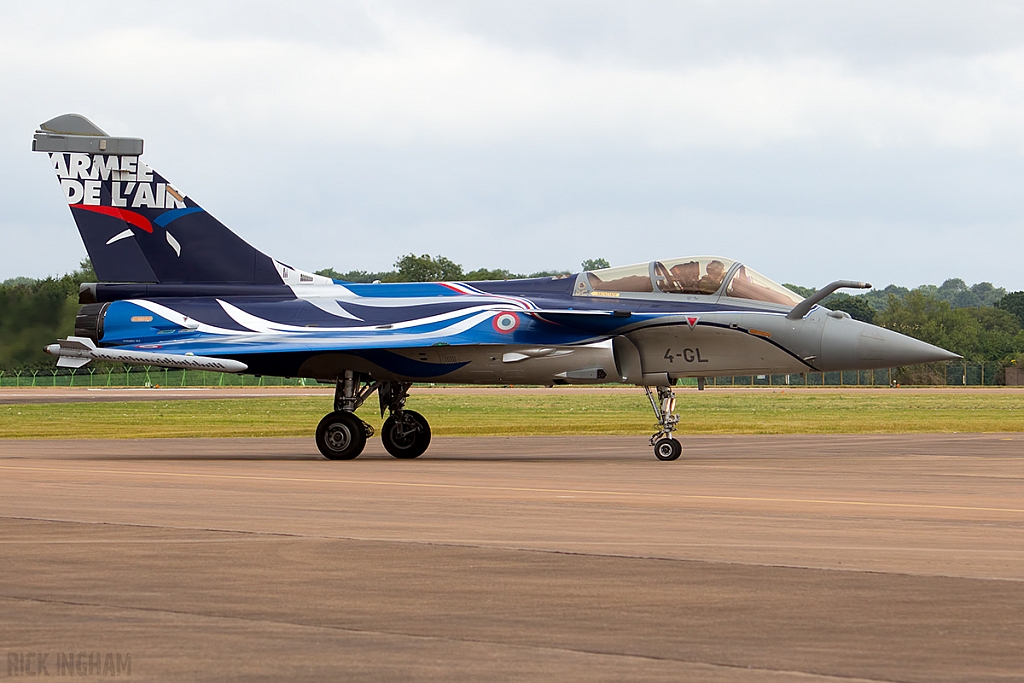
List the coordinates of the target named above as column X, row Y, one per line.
column 468, row 125
column 423, row 84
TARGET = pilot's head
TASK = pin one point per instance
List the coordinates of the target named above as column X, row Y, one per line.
column 716, row 270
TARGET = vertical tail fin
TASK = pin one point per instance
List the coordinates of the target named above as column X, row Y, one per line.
column 137, row 227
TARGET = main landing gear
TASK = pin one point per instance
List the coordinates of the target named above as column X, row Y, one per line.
column 342, row 436
column 666, row 446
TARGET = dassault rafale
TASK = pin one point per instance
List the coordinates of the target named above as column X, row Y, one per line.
column 178, row 289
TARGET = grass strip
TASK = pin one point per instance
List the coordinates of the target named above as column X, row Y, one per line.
column 475, row 415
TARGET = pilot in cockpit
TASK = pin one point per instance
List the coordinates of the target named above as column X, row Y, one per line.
column 712, row 280
column 685, row 277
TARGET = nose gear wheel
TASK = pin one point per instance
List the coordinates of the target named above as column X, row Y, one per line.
column 666, row 446
column 667, row 449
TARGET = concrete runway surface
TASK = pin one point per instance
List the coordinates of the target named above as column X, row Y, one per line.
column 753, row 558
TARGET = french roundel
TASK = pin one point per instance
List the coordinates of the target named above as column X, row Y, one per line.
column 506, row 322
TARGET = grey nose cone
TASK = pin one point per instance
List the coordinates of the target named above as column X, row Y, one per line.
column 851, row 345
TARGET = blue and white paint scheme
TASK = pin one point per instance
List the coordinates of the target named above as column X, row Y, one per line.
column 179, row 289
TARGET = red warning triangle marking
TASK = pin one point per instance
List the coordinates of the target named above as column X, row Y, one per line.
column 691, row 321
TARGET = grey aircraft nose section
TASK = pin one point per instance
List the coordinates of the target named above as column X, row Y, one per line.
column 848, row 344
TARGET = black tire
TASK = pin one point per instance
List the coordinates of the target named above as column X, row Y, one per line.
column 340, row 436
column 407, row 439
column 667, row 448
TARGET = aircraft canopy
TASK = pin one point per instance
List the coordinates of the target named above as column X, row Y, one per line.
column 700, row 275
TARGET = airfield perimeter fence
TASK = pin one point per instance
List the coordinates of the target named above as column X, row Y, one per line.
column 936, row 374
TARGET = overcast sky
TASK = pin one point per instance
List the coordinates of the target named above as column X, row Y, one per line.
column 813, row 140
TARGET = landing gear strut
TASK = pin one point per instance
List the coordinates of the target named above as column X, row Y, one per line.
column 666, row 447
column 342, row 436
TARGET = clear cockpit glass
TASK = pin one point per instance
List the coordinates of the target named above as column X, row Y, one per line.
column 691, row 275
column 635, row 278
column 749, row 284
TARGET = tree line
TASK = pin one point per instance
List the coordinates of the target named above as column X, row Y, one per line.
column 981, row 322
column 424, row 268
column 34, row 313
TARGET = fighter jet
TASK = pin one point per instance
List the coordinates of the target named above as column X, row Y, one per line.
column 180, row 290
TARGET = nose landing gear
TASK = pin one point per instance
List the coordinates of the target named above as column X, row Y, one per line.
column 342, row 436
column 666, row 446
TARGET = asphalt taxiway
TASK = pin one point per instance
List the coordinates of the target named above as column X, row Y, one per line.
column 752, row 558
